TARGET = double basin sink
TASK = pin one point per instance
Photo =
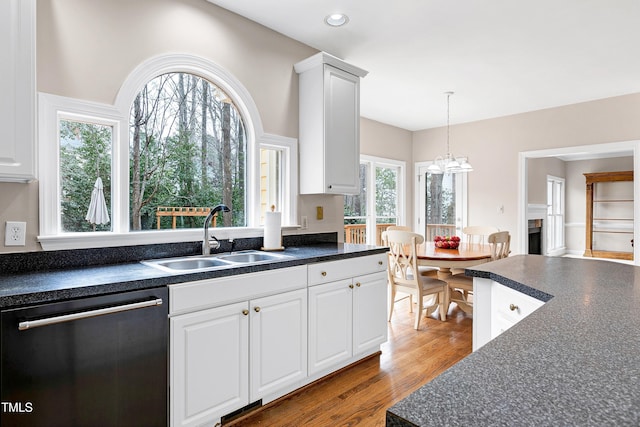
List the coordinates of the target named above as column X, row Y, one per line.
column 213, row 262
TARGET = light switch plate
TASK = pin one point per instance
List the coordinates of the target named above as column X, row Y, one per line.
column 14, row 233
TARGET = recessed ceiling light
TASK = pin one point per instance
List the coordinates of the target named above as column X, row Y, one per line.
column 336, row 19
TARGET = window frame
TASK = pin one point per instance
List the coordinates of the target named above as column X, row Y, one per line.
column 462, row 198
column 53, row 107
column 555, row 216
column 371, row 217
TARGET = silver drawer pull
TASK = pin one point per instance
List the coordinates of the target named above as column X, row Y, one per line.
column 513, row 307
column 30, row 324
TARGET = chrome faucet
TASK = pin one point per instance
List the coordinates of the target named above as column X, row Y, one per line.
column 213, row 243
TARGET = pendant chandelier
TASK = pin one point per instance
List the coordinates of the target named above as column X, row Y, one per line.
column 449, row 163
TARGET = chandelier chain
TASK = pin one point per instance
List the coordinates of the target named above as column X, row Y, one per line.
column 448, row 96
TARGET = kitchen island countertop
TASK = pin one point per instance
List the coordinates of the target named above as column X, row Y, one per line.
column 19, row 289
column 574, row 361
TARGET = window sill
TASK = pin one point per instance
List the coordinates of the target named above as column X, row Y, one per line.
column 134, row 238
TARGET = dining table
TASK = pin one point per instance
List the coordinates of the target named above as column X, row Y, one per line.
column 466, row 255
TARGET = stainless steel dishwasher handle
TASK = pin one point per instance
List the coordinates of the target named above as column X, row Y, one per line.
column 30, row 324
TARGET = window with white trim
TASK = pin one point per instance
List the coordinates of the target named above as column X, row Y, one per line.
column 186, row 141
column 380, row 202
column 555, row 214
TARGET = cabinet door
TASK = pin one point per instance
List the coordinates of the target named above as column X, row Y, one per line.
column 17, row 103
column 278, row 342
column 330, row 324
column 369, row 311
column 209, row 364
column 508, row 307
column 342, row 131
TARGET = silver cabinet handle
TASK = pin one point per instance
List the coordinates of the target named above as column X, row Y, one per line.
column 30, row 324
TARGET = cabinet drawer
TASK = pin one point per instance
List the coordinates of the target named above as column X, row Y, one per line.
column 325, row 272
column 191, row 296
column 508, row 307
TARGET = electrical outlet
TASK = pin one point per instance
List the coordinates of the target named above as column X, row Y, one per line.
column 14, row 233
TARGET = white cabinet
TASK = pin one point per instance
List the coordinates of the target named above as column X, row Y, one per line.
column 497, row 308
column 329, row 125
column 278, row 342
column 209, row 364
column 225, row 357
column 330, row 325
column 17, row 85
column 347, row 316
column 369, row 312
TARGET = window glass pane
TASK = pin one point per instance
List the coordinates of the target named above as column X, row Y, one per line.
column 386, row 195
column 85, row 163
column 355, row 211
column 187, row 154
column 440, row 205
column 270, row 181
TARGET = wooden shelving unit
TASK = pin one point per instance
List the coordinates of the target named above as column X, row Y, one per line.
column 609, row 228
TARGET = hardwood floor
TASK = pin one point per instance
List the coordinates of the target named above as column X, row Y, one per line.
column 360, row 395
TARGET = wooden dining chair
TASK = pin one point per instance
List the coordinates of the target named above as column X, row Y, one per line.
column 478, row 233
column 403, row 263
column 424, row 270
column 461, row 286
column 398, row 227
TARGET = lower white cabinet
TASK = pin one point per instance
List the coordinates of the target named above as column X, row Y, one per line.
column 238, row 339
column 497, row 308
column 223, row 358
column 347, row 318
column 209, row 364
column 278, row 342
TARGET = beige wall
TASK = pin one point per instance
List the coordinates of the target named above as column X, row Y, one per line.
column 19, row 202
column 85, row 49
column 381, row 140
column 537, row 171
column 493, row 146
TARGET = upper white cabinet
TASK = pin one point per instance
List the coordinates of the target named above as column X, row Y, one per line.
column 329, row 125
column 17, row 85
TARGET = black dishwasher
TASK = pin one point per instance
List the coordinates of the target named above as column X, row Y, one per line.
column 99, row 361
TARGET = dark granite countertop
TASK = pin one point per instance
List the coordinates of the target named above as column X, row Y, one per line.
column 573, row 362
column 39, row 282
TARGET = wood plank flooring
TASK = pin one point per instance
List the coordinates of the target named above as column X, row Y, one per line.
column 360, row 395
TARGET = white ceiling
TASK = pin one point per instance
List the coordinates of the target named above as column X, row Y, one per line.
column 500, row 57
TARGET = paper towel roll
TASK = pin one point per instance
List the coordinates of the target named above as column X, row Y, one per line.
column 273, row 230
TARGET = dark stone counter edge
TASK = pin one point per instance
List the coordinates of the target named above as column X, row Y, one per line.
column 524, row 289
column 308, row 254
column 392, row 420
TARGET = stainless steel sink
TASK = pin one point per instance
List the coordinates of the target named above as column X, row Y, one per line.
column 187, row 264
column 212, row 262
column 250, row 257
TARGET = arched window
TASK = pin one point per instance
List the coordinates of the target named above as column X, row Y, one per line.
column 187, row 153
column 182, row 136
